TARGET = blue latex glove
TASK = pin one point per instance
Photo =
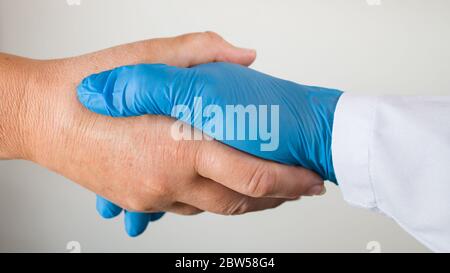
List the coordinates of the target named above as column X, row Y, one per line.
column 305, row 113
column 135, row 222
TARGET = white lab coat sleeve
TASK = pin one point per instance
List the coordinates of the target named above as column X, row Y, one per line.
column 392, row 155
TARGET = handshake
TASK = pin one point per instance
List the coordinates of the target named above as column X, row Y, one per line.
column 259, row 115
column 194, row 129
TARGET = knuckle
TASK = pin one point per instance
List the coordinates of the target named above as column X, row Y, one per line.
column 207, row 43
column 211, row 36
column 159, row 189
column 142, row 198
column 261, row 182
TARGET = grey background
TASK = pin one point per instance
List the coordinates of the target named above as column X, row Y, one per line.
column 398, row 47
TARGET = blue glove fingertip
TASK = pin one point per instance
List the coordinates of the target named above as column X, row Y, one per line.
column 106, row 209
column 136, row 223
column 156, row 216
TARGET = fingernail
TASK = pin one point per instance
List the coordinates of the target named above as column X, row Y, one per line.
column 316, row 190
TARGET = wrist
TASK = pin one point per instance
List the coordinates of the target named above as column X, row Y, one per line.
column 330, row 102
column 32, row 107
column 316, row 127
column 49, row 113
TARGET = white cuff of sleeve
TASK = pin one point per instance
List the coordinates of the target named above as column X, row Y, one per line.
column 351, row 142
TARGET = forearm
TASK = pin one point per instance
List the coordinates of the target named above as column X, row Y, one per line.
column 15, row 76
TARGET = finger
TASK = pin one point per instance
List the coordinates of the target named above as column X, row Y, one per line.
column 136, row 222
column 254, row 176
column 208, row 195
column 183, row 51
column 156, row 216
column 158, row 211
column 206, row 47
column 183, row 209
column 107, row 209
column 130, row 90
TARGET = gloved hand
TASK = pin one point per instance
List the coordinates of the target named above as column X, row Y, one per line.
column 300, row 133
column 135, row 222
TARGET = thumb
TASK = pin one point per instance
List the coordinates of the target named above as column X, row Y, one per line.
column 131, row 90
